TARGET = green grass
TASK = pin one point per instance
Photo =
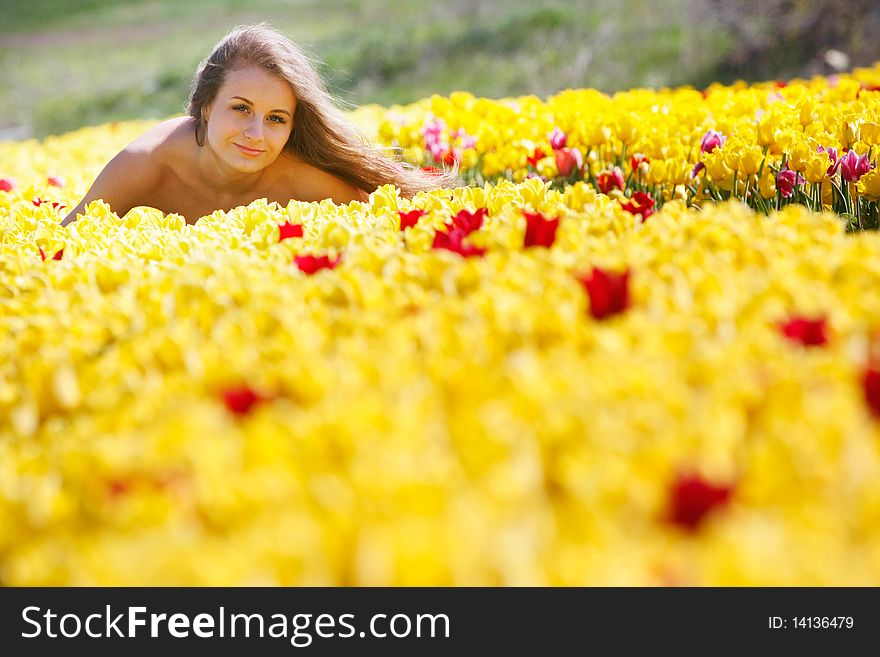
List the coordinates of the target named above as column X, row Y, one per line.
column 68, row 64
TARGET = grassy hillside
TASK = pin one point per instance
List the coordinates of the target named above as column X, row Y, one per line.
column 66, row 63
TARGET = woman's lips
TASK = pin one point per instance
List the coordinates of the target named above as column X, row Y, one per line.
column 250, row 152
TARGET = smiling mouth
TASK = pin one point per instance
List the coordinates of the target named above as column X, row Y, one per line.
column 250, row 152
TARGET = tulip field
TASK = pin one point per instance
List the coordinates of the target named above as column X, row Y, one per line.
column 638, row 345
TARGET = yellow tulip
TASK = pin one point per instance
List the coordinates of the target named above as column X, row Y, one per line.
column 870, row 133
column 869, row 185
column 799, row 155
column 657, row 172
column 816, row 168
column 767, row 184
column 164, row 385
column 751, row 161
column 850, row 130
column 716, row 166
column 806, row 111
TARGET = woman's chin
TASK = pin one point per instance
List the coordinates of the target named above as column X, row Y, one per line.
column 247, row 166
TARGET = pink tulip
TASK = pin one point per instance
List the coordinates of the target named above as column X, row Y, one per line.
column 832, row 155
column 786, row 180
column 558, row 139
column 853, row 167
column 712, row 140
column 433, row 129
column 466, row 141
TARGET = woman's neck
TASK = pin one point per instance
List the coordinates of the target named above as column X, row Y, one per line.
column 220, row 178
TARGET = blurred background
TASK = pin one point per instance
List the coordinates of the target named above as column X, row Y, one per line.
column 69, row 63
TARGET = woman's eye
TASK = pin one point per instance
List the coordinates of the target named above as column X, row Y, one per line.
column 277, row 119
column 240, row 108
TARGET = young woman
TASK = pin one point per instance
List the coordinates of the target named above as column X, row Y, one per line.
column 260, row 124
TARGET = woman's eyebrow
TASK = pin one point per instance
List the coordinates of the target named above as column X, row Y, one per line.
column 282, row 111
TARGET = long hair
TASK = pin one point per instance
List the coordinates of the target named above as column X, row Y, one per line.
column 321, row 136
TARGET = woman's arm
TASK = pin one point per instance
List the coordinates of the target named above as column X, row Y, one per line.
column 126, row 181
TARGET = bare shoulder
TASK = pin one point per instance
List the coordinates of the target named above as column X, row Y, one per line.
column 166, row 139
column 151, row 153
column 135, row 175
column 307, row 182
column 167, row 149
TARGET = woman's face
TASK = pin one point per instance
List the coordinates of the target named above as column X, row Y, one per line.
column 250, row 120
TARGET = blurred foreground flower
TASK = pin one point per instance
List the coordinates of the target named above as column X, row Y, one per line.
column 540, row 231
column 310, row 264
column 693, row 499
column 807, row 331
column 608, row 292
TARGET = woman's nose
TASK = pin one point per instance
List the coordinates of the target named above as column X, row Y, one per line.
column 254, row 128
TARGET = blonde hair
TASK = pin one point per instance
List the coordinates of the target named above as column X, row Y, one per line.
column 321, row 136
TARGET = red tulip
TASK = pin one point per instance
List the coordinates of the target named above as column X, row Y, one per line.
column 411, row 218
column 240, row 400
column 118, row 487
column 537, row 155
column 871, row 388
column 311, row 264
column 692, row 499
column 55, row 204
column 454, row 241
column 540, row 231
column 451, row 157
column 610, row 179
column 55, row 181
column 640, row 203
column 809, row 332
column 609, row 292
column 58, row 254
column 568, row 160
column 638, row 159
column 288, row 230
column 468, row 221
column 6, row 184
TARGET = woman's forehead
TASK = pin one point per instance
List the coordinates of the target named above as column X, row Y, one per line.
column 259, row 86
